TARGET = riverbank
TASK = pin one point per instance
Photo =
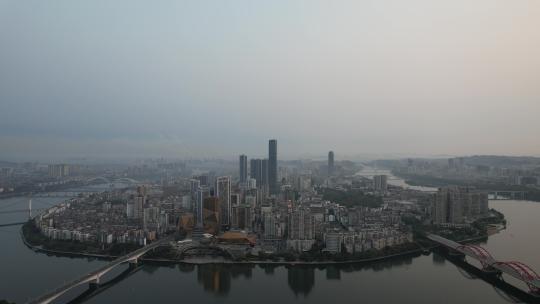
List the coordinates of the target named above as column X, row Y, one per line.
column 204, row 261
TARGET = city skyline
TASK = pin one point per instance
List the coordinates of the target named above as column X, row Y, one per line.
column 269, row 151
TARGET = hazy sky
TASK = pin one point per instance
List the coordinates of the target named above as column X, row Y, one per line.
column 219, row 78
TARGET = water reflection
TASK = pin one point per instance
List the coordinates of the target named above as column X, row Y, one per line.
column 333, row 273
column 438, row 259
column 301, row 279
column 218, row 279
column 269, row 269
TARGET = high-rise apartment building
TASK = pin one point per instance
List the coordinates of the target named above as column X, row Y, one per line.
column 269, row 221
column 202, row 193
column 138, row 207
column 195, row 184
column 380, row 183
column 301, row 225
column 211, row 215
column 241, row 217
column 223, row 193
column 61, row 170
column 457, row 205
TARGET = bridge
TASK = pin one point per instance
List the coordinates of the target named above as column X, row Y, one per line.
column 65, row 193
column 106, row 180
column 507, row 195
column 28, row 211
column 515, row 269
column 93, row 277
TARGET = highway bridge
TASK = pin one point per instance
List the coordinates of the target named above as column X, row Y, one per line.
column 514, row 269
column 93, row 277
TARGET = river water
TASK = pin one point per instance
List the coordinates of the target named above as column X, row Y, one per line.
column 419, row 279
column 393, row 180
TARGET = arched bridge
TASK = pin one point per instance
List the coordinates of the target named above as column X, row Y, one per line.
column 94, row 276
column 520, row 271
column 517, row 270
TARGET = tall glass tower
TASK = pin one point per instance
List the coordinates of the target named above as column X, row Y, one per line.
column 272, row 166
column 243, row 168
column 330, row 162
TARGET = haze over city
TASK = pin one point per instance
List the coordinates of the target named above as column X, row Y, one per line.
column 282, row 151
column 185, row 79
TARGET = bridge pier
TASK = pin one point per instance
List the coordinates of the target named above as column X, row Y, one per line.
column 94, row 284
column 133, row 263
column 491, row 271
column 456, row 254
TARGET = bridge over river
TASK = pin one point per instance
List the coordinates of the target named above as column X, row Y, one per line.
column 94, row 276
column 514, row 269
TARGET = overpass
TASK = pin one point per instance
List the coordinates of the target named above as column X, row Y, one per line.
column 93, row 277
column 515, row 269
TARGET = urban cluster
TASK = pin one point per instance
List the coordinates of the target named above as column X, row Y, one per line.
column 293, row 208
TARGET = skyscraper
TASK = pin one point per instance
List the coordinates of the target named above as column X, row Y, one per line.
column 256, row 169
column 202, row 193
column 243, row 169
column 223, row 193
column 264, row 172
column 259, row 171
column 211, row 215
column 272, row 166
column 194, row 187
column 138, row 207
column 331, row 163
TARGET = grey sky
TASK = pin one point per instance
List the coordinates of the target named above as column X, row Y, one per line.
column 219, row 78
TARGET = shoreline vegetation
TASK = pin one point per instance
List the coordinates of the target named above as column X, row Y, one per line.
column 41, row 244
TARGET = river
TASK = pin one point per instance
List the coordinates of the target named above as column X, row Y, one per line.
column 393, row 180
column 420, row 279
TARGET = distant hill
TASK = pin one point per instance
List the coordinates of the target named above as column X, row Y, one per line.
column 475, row 160
column 502, row 161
